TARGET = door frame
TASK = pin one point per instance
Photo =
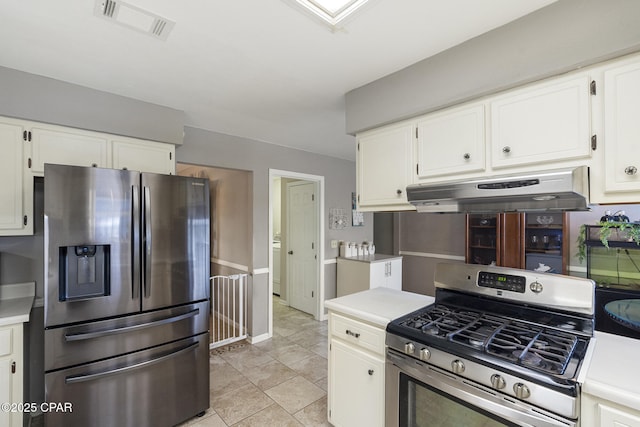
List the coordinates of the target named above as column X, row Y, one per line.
column 319, row 180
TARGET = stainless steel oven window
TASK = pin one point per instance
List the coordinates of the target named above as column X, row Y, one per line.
column 424, row 406
column 401, row 403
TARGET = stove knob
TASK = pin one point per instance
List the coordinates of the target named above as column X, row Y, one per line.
column 425, row 354
column 521, row 391
column 498, row 382
column 457, row 366
column 409, row 348
column 536, row 287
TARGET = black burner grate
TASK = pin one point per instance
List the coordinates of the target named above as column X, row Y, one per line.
column 529, row 345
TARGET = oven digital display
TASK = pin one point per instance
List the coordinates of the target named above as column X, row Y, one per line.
column 506, row 282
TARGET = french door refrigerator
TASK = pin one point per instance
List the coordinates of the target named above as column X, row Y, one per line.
column 126, row 297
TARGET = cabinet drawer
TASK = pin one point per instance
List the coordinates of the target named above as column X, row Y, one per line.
column 358, row 333
column 5, row 341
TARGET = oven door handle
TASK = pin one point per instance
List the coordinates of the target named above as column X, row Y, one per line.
column 507, row 409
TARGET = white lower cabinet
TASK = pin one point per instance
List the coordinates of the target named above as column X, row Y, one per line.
column 598, row 412
column 11, row 374
column 356, row 373
column 359, row 274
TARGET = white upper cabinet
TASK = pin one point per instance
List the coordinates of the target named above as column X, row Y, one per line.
column 27, row 146
column 542, row 124
column 66, row 146
column 384, row 163
column 451, row 142
column 622, row 129
column 144, row 156
column 15, row 216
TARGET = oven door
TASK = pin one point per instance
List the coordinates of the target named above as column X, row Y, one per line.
column 418, row 394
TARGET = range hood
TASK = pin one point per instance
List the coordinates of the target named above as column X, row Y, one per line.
column 554, row 190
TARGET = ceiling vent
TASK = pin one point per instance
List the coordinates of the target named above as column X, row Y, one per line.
column 134, row 17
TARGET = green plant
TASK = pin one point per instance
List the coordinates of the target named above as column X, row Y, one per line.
column 630, row 231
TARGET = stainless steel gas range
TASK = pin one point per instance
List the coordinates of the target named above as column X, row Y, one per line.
column 498, row 347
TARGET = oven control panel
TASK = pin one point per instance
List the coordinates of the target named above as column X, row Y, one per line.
column 506, row 282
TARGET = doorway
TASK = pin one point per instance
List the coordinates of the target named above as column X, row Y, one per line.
column 296, row 236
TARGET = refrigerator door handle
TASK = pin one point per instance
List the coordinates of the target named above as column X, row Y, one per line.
column 89, row 377
column 135, row 243
column 98, row 334
column 147, row 243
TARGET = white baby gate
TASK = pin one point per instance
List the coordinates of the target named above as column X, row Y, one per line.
column 228, row 309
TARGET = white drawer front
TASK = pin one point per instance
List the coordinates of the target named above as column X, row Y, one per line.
column 358, row 333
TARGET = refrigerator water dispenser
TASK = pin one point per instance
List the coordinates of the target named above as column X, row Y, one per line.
column 84, row 272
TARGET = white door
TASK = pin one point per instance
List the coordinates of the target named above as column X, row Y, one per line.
column 302, row 246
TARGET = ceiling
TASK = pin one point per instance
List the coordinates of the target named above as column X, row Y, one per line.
column 258, row 69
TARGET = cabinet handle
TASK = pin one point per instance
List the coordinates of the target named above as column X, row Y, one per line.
column 370, row 371
column 467, row 156
column 398, row 192
column 631, row 170
column 353, row 334
column 506, row 149
column 94, row 165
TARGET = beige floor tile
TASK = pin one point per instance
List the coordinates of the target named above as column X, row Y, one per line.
column 321, row 349
column 270, row 374
column 312, row 368
column 239, row 404
column 246, row 357
column 323, row 383
column 274, row 416
column 295, row 394
column 314, row 415
column 291, row 353
column 224, row 378
column 212, row 420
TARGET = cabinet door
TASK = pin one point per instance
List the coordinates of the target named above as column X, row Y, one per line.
column 12, row 205
column 611, row 417
column 384, row 167
column 548, row 122
column 451, row 142
column 356, row 387
column 144, row 156
column 67, row 147
column 622, row 129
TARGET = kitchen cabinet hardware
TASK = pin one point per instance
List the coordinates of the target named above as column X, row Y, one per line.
column 592, row 87
column 370, row 371
column 290, row 252
column 594, row 142
column 398, row 192
column 353, row 334
column 506, row 149
column 13, row 368
column 466, row 156
column 630, row 170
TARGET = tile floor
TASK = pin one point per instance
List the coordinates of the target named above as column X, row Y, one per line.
column 278, row 382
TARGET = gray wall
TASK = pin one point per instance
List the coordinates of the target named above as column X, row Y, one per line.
column 214, row 149
column 31, row 97
column 561, row 37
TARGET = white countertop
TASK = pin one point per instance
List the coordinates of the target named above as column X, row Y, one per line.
column 614, row 370
column 380, row 305
column 16, row 301
column 372, row 258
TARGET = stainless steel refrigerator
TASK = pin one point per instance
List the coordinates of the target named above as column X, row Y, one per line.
column 126, row 297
